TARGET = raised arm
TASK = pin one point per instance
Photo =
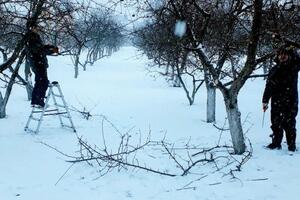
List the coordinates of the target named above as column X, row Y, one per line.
column 50, row 49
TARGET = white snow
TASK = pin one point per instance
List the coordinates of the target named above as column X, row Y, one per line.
column 120, row 88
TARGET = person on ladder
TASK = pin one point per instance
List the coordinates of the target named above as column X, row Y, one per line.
column 36, row 53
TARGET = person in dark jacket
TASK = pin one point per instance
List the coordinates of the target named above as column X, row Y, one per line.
column 281, row 88
column 36, row 53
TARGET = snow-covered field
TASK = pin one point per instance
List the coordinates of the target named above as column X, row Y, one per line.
column 121, row 89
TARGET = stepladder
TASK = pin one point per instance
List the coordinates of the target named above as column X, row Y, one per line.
column 58, row 108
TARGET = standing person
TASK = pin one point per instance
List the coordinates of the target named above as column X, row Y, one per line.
column 281, row 88
column 36, row 53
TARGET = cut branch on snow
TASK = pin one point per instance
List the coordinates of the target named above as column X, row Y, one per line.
column 131, row 153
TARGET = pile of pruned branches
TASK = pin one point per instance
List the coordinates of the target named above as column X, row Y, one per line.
column 133, row 151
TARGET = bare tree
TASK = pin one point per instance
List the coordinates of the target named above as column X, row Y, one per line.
column 158, row 42
column 231, row 94
column 32, row 18
column 16, row 18
column 228, row 41
column 239, row 72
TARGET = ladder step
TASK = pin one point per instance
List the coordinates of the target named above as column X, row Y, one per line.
column 57, row 95
column 33, row 118
column 29, row 130
column 67, row 126
column 57, row 113
column 62, row 113
column 61, row 106
column 45, row 111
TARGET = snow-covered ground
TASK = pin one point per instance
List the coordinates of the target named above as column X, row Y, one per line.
column 121, row 89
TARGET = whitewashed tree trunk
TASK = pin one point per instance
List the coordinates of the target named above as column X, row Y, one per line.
column 211, row 103
column 76, row 64
column 179, row 69
column 235, row 124
column 76, row 60
column 172, row 73
column 84, row 66
column 167, row 68
column 176, row 82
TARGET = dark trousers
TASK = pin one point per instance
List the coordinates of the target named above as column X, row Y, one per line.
column 283, row 118
column 40, row 88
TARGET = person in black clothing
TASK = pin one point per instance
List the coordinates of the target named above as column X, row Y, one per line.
column 281, row 88
column 36, row 53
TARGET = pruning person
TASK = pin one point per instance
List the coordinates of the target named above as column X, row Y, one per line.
column 36, row 53
column 281, row 88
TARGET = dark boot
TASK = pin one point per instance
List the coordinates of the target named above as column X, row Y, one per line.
column 276, row 138
column 274, row 146
column 291, row 135
column 292, row 148
column 290, row 126
column 291, row 141
column 41, row 103
column 277, row 135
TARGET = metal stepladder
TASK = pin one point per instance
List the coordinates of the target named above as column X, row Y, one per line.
column 61, row 109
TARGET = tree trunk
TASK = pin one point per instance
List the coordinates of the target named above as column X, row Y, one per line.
column 29, row 86
column 211, row 103
column 4, row 101
column 77, row 61
column 172, row 73
column 176, row 82
column 4, row 55
column 2, row 107
column 179, row 67
column 167, row 69
column 76, row 66
column 235, row 125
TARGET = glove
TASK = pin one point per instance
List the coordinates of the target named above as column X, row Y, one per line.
column 265, row 107
column 55, row 50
